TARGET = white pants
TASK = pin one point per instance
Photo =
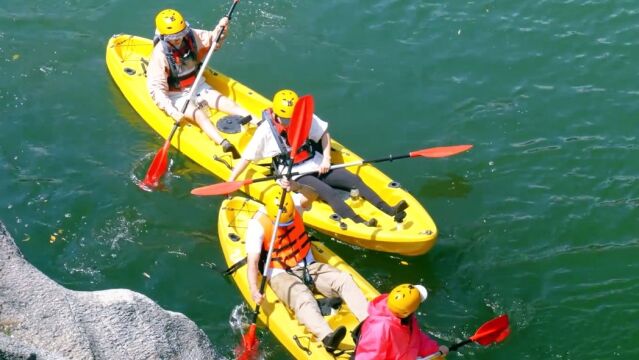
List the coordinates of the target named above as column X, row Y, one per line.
column 204, row 96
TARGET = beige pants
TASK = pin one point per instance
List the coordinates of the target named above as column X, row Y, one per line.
column 329, row 282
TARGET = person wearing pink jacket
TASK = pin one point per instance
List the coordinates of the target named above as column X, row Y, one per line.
column 391, row 330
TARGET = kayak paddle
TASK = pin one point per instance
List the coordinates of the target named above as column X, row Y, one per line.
column 228, row 187
column 298, row 132
column 160, row 161
column 493, row 331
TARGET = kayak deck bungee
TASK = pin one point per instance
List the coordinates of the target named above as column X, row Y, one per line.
column 126, row 58
column 278, row 318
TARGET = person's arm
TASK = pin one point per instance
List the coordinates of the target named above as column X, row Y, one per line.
column 254, row 237
column 428, row 346
column 239, row 167
column 252, row 267
column 254, row 151
column 325, row 166
column 308, row 194
column 207, row 37
column 157, row 83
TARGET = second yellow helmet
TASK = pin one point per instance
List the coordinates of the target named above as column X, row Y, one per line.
column 284, row 102
column 169, row 22
column 404, row 299
column 272, row 204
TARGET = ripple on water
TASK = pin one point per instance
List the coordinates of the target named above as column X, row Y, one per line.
column 112, row 244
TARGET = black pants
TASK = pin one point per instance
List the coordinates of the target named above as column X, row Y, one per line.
column 326, row 186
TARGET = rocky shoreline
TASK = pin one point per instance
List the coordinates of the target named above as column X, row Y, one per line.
column 39, row 319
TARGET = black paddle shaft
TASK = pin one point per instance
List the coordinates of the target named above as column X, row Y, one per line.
column 459, row 344
column 387, row 158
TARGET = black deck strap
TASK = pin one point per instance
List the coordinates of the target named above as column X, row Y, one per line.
column 327, row 305
column 299, row 344
column 145, row 63
column 217, row 158
column 233, row 268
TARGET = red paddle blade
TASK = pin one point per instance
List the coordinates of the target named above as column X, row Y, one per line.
column 221, row 188
column 249, row 347
column 442, row 151
column 495, row 330
column 158, row 166
column 300, row 123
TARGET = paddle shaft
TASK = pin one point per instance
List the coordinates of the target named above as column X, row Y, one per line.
column 332, row 167
column 452, row 348
column 382, row 159
column 270, row 253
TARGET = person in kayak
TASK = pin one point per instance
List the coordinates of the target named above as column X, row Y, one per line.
column 177, row 55
column 391, row 330
column 293, row 272
column 270, row 140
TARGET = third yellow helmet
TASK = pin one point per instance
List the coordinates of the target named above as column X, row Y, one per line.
column 272, row 204
column 404, row 299
column 169, row 22
column 284, row 102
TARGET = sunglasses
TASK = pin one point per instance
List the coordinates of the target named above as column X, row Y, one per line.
column 177, row 36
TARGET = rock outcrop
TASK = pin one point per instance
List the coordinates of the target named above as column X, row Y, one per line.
column 40, row 319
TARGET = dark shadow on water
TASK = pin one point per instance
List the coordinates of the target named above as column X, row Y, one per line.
column 452, row 186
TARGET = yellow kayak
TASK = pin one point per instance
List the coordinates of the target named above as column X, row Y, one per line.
column 126, row 58
column 232, row 222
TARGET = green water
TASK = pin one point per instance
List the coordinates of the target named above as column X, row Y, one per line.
column 538, row 221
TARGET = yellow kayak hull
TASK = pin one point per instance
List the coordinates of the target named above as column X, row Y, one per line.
column 126, row 58
column 232, row 222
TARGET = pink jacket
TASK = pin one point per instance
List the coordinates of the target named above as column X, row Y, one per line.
column 384, row 337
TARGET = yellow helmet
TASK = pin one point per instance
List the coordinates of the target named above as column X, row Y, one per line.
column 284, row 102
column 404, row 299
column 169, row 22
column 272, row 204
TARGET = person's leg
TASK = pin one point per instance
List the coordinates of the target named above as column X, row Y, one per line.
column 203, row 121
column 297, row 296
column 200, row 117
column 342, row 178
column 331, row 196
column 222, row 103
column 331, row 282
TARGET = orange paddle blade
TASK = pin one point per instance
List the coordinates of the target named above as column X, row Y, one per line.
column 158, row 166
column 442, row 151
column 249, row 347
column 221, row 188
column 300, row 123
column 495, row 330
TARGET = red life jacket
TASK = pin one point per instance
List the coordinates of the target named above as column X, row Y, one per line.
column 304, row 152
column 291, row 243
column 183, row 63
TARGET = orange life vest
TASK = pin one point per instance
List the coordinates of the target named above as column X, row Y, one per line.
column 291, row 244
